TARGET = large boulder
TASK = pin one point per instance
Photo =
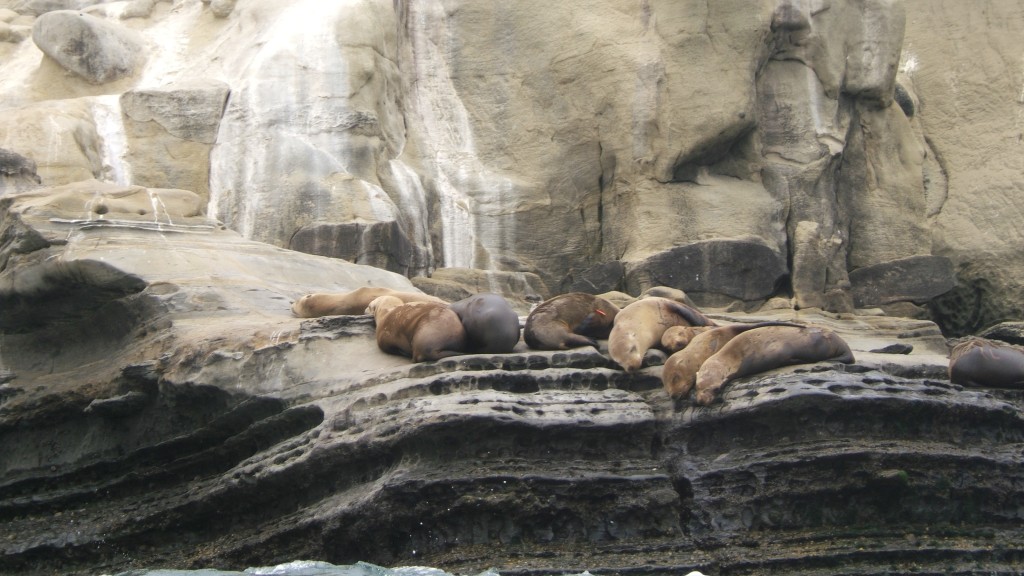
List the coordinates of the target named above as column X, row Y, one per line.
column 916, row 279
column 708, row 271
column 94, row 48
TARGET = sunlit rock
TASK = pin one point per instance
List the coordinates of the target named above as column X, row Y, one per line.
column 170, row 131
column 38, row 7
column 14, row 34
column 60, row 136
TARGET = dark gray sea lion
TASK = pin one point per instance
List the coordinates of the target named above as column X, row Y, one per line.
column 354, row 302
column 639, row 327
column 569, row 321
column 492, row 326
column 420, row 330
column 983, row 362
column 765, row 348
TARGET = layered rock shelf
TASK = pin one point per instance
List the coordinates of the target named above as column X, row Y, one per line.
column 191, row 422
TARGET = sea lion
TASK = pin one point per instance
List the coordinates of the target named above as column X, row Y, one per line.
column 680, row 371
column 492, row 326
column 766, row 348
column 420, row 330
column 640, row 326
column 676, row 338
column 568, row 321
column 354, row 302
column 984, row 362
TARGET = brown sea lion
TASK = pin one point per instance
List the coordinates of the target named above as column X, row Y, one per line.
column 569, row 321
column 676, row 338
column 354, row 302
column 984, row 362
column 640, row 326
column 420, row 330
column 492, row 326
column 766, row 348
column 680, row 371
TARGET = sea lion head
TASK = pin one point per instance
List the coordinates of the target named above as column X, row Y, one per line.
column 381, row 306
column 710, row 378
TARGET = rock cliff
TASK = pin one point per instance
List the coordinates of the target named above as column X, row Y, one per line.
column 778, row 148
column 179, row 173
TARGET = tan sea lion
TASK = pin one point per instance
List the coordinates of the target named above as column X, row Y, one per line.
column 354, row 302
column 569, row 321
column 766, row 348
column 492, row 326
column 640, row 326
column 680, row 371
column 676, row 338
column 420, row 330
column 984, row 362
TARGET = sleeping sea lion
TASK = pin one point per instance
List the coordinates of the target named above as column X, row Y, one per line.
column 984, row 362
column 640, row 326
column 766, row 348
column 354, row 302
column 680, row 371
column 676, row 338
column 569, row 321
column 492, row 326
column 420, row 330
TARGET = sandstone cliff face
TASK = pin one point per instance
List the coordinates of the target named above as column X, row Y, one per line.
column 160, row 405
column 776, row 147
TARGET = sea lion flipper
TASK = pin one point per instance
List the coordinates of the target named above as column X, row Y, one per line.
column 590, row 322
column 577, row 341
column 692, row 317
